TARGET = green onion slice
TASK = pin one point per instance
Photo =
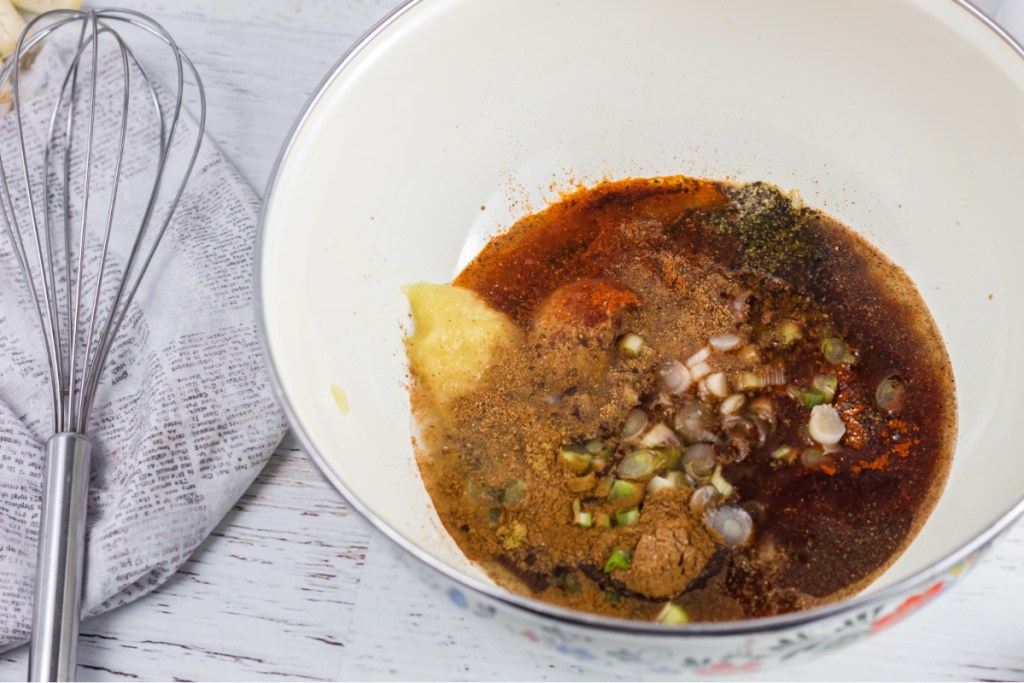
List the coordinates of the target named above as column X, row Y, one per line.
column 627, row 517
column 514, row 493
column 618, row 559
column 622, row 490
column 672, row 614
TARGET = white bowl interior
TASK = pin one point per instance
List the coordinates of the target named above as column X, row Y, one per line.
column 905, row 120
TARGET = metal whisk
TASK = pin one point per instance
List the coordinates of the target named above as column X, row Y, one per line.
column 84, row 241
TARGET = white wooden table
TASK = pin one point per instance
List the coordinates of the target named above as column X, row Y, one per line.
column 293, row 585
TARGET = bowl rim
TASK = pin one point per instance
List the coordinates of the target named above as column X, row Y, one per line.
column 536, row 607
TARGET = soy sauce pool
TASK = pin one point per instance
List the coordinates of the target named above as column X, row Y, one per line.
column 581, row 471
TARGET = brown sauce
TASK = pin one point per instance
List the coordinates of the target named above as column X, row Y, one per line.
column 677, row 261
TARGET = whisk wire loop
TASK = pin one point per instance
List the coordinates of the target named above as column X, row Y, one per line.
column 75, row 310
column 61, row 364
column 119, row 160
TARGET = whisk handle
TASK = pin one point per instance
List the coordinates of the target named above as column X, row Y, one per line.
column 58, row 593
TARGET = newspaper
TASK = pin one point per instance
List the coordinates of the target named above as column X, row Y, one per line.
column 184, row 417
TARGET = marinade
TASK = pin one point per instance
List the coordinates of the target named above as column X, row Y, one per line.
column 719, row 404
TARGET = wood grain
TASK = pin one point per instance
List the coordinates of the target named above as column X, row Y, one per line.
column 292, row 585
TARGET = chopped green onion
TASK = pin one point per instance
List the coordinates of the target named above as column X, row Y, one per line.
column 808, row 398
column 699, row 461
column 514, row 493
column 612, row 597
column 627, row 517
column 576, row 462
column 692, row 421
column 827, row 384
column 890, row 394
column 826, row 426
column 634, row 425
column 732, row 404
column 785, row 454
column 717, row 384
column 622, row 490
column 597, row 447
column 701, row 499
column 835, row 351
column 618, row 559
column 569, row 582
column 700, row 370
column 602, row 520
column 674, row 376
column 658, row 436
column 673, row 615
column 579, row 517
column 813, row 458
column 699, row 356
column 493, row 516
column 750, row 354
column 631, row 344
column 658, row 483
column 748, row 381
column 787, row 332
column 768, row 376
column 672, row 456
column 677, row 479
column 733, row 523
column 721, row 485
column 764, row 408
column 724, row 342
column 640, row 464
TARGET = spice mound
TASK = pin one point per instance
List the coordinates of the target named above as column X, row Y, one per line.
column 680, row 400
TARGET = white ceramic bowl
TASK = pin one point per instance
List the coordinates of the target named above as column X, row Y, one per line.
column 452, row 118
